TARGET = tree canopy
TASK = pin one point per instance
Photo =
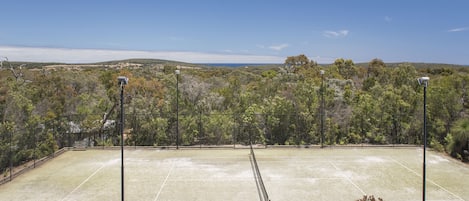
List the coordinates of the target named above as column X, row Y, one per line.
column 46, row 108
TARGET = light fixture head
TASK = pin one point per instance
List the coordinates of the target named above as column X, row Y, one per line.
column 423, row 81
column 122, row 80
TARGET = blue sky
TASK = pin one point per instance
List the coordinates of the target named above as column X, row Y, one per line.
column 235, row 31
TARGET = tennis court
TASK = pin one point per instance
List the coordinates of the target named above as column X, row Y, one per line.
column 227, row 174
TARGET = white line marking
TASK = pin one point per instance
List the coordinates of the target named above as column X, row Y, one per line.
column 86, row 180
column 333, row 165
column 348, row 179
column 429, row 180
column 164, row 182
column 356, row 186
column 404, row 166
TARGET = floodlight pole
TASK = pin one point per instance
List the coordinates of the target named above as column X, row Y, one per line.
column 122, row 82
column 122, row 141
column 424, row 138
column 424, row 81
column 322, row 108
column 177, row 72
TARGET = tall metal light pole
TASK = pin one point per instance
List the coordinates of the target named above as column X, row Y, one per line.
column 122, row 82
column 322, row 107
column 177, row 72
column 424, row 81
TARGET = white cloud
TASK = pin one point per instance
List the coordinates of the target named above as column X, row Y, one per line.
column 278, row 47
column 38, row 54
column 335, row 34
column 459, row 29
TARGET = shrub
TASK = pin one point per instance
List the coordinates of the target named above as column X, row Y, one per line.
column 355, row 138
column 458, row 140
column 436, row 145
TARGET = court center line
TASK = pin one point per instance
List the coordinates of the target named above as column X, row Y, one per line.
column 348, row 179
column 164, row 182
column 86, row 180
column 429, row 180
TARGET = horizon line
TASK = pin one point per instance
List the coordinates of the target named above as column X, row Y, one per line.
column 87, row 56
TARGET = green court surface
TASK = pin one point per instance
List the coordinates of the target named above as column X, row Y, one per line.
column 226, row 174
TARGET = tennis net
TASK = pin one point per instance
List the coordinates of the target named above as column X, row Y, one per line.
column 263, row 195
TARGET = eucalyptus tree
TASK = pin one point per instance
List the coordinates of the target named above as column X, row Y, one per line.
column 346, row 67
column 306, row 108
column 446, row 97
column 364, row 118
column 296, row 63
column 375, row 68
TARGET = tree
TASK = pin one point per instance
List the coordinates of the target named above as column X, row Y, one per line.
column 217, row 129
column 346, row 67
column 295, row 63
column 279, row 119
column 459, row 139
column 375, row 68
column 16, row 72
column 364, row 118
column 445, row 97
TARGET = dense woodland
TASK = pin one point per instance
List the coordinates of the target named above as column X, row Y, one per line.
column 44, row 108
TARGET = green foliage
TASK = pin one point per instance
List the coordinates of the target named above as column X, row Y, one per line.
column 270, row 74
column 458, row 140
column 354, row 138
column 436, row 145
column 346, row 67
column 375, row 102
column 449, row 142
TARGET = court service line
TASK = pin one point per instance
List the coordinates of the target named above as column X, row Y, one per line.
column 86, row 180
column 164, row 182
column 431, row 181
column 348, row 179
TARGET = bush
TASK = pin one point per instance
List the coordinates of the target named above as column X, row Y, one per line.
column 436, row 145
column 458, row 140
column 449, row 143
column 379, row 139
column 355, row 138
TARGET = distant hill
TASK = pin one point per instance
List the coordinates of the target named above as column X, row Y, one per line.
column 122, row 63
column 146, row 62
column 419, row 65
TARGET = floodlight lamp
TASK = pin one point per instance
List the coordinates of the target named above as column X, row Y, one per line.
column 321, row 72
column 122, row 80
column 423, row 81
column 177, row 72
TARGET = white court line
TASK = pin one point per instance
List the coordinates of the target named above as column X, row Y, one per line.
column 164, row 182
column 429, row 180
column 86, row 180
column 348, row 179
